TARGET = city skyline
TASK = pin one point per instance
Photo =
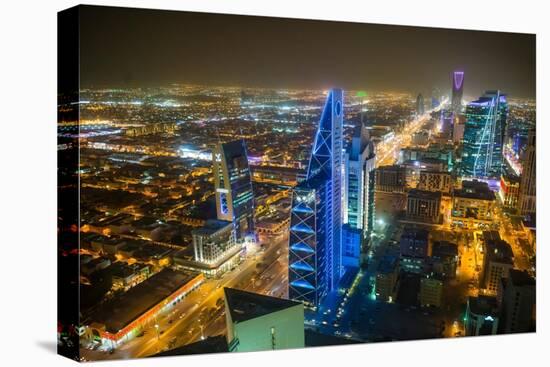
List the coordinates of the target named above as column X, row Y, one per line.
column 209, row 218
column 380, row 57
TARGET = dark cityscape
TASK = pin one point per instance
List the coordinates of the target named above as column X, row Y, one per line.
column 231, row 183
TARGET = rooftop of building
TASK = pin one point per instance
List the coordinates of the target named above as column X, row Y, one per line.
column 475, row 190
column 424, row 161
column 499, row 251
column 416, row 233
column 483, row 305
column 395, row 167
column 234, row 149
column 120, row 311
column 444, row 249
column 211, row 226
column 521, row 278
column 123, row 270
column 491, row 236
column 212, row 344
column 245, row 305
column 427, row 195
column 486, row 99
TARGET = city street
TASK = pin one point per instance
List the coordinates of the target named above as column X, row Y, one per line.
column 201, row 313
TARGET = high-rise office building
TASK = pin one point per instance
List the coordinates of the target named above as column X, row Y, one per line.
column 528, row 184
column 457, row 91
column 420, row 105
column 447, row 123
column 484, row 136
column 315, row 241
column 414, row 249
column 518, row 297
column 359, row 163
column 482, row 316
column 234, row 196
column 498, row 259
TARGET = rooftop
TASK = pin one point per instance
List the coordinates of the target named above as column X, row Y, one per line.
column 210, row 227
column 483, row 305
column 444, row 249
column 245, row 305
column 416, row 233
column 212, row 344
column 475, row 190
column 427, row 195
column 115, row 314
column 521, row 278
column 499, row 251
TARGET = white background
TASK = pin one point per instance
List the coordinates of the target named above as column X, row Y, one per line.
column 28, row 179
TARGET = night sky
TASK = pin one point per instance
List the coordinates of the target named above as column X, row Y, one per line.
column 139, row 48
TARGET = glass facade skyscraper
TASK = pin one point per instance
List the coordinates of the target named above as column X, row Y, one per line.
column 234, row 196
column 315, row 242
column 484, row 136
column 359, row 163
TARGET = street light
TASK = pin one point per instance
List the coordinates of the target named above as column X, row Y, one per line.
column 157, row 330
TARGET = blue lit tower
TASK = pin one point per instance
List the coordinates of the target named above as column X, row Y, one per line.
column 458, row 88
column 234, row 196
column 484, row 136
column 315, row 242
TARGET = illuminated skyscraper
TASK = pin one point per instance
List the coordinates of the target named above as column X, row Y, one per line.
column 359, row 163
column 358, row 193
column 234, row 196
column 484, row 136
column 458, row 88
column 315, row 243
column 528, row 185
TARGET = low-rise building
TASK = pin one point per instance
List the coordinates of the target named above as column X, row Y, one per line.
column 215, row 249
column 214, row 241
column 123, row 317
